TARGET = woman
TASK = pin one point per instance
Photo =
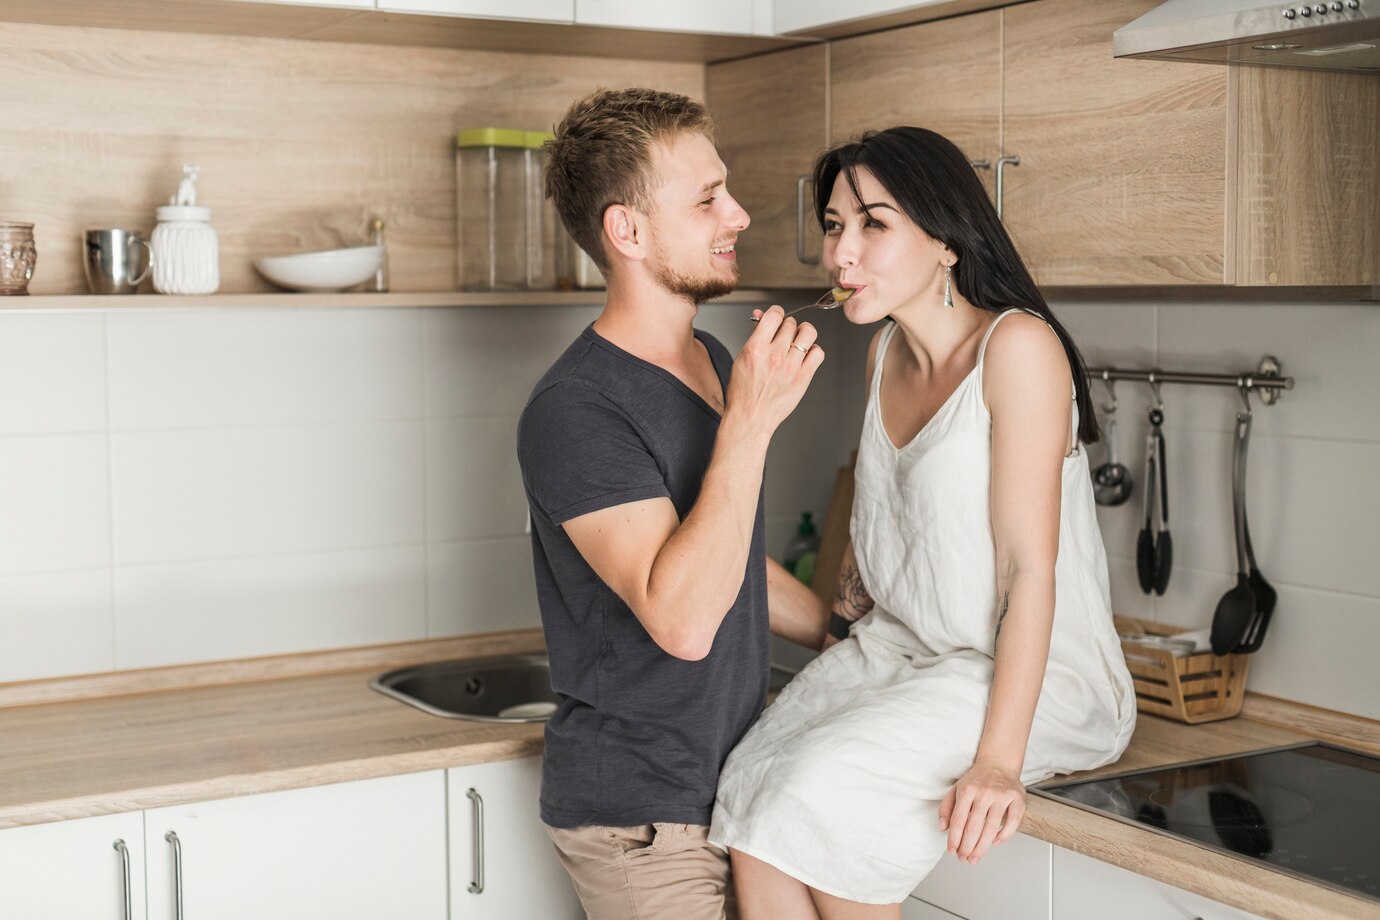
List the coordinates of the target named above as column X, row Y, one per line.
column 987, row 659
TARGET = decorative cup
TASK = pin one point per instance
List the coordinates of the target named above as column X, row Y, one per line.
column 17, row 257
column 110, row 258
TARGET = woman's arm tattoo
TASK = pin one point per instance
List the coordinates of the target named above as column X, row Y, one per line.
column 852, row 599
column 1001, row 614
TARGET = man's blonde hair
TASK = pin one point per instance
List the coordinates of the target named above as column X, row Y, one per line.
column 602, row 156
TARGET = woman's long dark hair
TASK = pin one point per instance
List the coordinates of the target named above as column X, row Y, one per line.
column 939, row 191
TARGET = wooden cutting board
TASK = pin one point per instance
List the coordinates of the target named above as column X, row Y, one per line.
column 834, row 538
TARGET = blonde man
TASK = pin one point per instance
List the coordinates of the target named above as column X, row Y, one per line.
column 642, row 457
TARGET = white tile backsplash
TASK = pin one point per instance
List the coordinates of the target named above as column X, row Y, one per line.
column 263, row 367
column 284, row 480
column 474, row 486
column 54, row 503
column 481, row 586
column 268, row 605
column 197, row 494
column 52, row 373
column 56, row 624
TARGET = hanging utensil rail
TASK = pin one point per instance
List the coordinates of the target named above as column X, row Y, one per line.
column 1266, row 379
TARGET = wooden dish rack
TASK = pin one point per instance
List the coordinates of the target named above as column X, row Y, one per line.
column 1193, row 688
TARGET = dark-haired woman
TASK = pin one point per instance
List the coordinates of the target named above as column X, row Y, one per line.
column 978, row 651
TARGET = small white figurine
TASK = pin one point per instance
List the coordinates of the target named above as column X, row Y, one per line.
column 186, row 190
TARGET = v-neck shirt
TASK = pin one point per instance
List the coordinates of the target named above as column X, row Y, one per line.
column 639, row 735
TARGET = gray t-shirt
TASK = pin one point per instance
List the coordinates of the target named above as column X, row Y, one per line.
column 640, row 735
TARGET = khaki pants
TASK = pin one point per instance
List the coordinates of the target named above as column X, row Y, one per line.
column 650, row 872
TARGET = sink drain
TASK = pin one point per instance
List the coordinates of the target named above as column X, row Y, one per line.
column 474, row 686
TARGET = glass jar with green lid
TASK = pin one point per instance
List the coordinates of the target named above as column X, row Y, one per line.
column 491, row 209
column 508, row 234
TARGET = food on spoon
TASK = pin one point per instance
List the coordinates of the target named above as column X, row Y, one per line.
column 842, row 294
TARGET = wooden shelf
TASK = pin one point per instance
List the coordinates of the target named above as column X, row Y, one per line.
column 404, row 299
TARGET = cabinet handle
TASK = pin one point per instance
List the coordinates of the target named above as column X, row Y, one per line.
column 1002, row 163
column 980, row 164
column 477, row 814
column 124, row 859
column 171, row 837
column 800, row 183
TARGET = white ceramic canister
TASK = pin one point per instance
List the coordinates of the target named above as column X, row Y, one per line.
column 186, row 251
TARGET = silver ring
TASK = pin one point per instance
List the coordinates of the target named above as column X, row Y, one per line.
column 803, row 350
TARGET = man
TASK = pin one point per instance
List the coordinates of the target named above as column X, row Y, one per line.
column 642, row 460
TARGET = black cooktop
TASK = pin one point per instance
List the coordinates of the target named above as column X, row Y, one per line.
column 1311, row 810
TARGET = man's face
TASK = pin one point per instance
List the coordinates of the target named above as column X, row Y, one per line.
column 694, row 221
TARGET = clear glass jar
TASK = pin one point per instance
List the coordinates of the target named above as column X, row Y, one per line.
column 544, row 230
column 491, row 179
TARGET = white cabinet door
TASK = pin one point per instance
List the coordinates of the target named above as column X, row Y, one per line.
column 1085, row 887
column 72, row 869
column 803, row 15
column 497, row 841
column 350, row 851
column 723, row 16
column 540, row 10
column 1010, row 883
column 916, row 909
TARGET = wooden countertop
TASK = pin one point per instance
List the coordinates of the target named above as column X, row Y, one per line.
column 119, row 753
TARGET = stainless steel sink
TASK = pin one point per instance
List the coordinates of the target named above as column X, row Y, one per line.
column 511, row 688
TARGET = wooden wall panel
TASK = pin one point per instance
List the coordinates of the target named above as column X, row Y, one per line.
column 765, row 155
column 945, row 76
column 1308, row 177
column 299, row 143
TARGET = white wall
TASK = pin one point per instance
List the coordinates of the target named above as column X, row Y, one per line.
column 181, row 486
column 186, row 485
column 1313, row 492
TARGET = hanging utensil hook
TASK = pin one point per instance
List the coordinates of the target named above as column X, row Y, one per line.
column 1109, row 407
column 1155, row 389
column 1244, row 391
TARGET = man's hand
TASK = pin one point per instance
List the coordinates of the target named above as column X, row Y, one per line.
column 984, row 808
column 772, row 372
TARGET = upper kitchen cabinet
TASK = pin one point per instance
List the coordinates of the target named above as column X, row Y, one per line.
column 771, row 124
column 1122, row 177
column 537, row 10
column 945, row 76
column 344, row 4
column 731, row 17
column 1307, row 179
column 810, row 15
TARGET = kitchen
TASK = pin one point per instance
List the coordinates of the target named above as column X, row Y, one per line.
column 246, row 507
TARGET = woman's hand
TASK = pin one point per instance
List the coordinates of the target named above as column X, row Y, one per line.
column 984, row 808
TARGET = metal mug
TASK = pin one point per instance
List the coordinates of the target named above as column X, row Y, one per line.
column 109, row 258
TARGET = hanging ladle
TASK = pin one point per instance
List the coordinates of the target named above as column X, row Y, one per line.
column 1112, row 484
column 1236, row 610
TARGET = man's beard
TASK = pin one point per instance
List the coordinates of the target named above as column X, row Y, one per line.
column 696, row 290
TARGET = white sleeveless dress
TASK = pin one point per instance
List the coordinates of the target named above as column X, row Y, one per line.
column 839, row 782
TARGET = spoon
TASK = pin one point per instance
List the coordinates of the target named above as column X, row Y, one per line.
column 1236, row 610
column 832, row 298
column 1112, row 480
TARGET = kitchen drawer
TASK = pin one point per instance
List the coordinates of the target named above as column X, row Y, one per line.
column 1010, row 883
column 1083, row 887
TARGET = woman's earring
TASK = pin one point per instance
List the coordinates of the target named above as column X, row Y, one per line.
column 948, row 293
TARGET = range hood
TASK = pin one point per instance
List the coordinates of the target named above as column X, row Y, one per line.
column 1338, row 35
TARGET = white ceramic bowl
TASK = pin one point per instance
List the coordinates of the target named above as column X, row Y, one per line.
column 331, row 270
